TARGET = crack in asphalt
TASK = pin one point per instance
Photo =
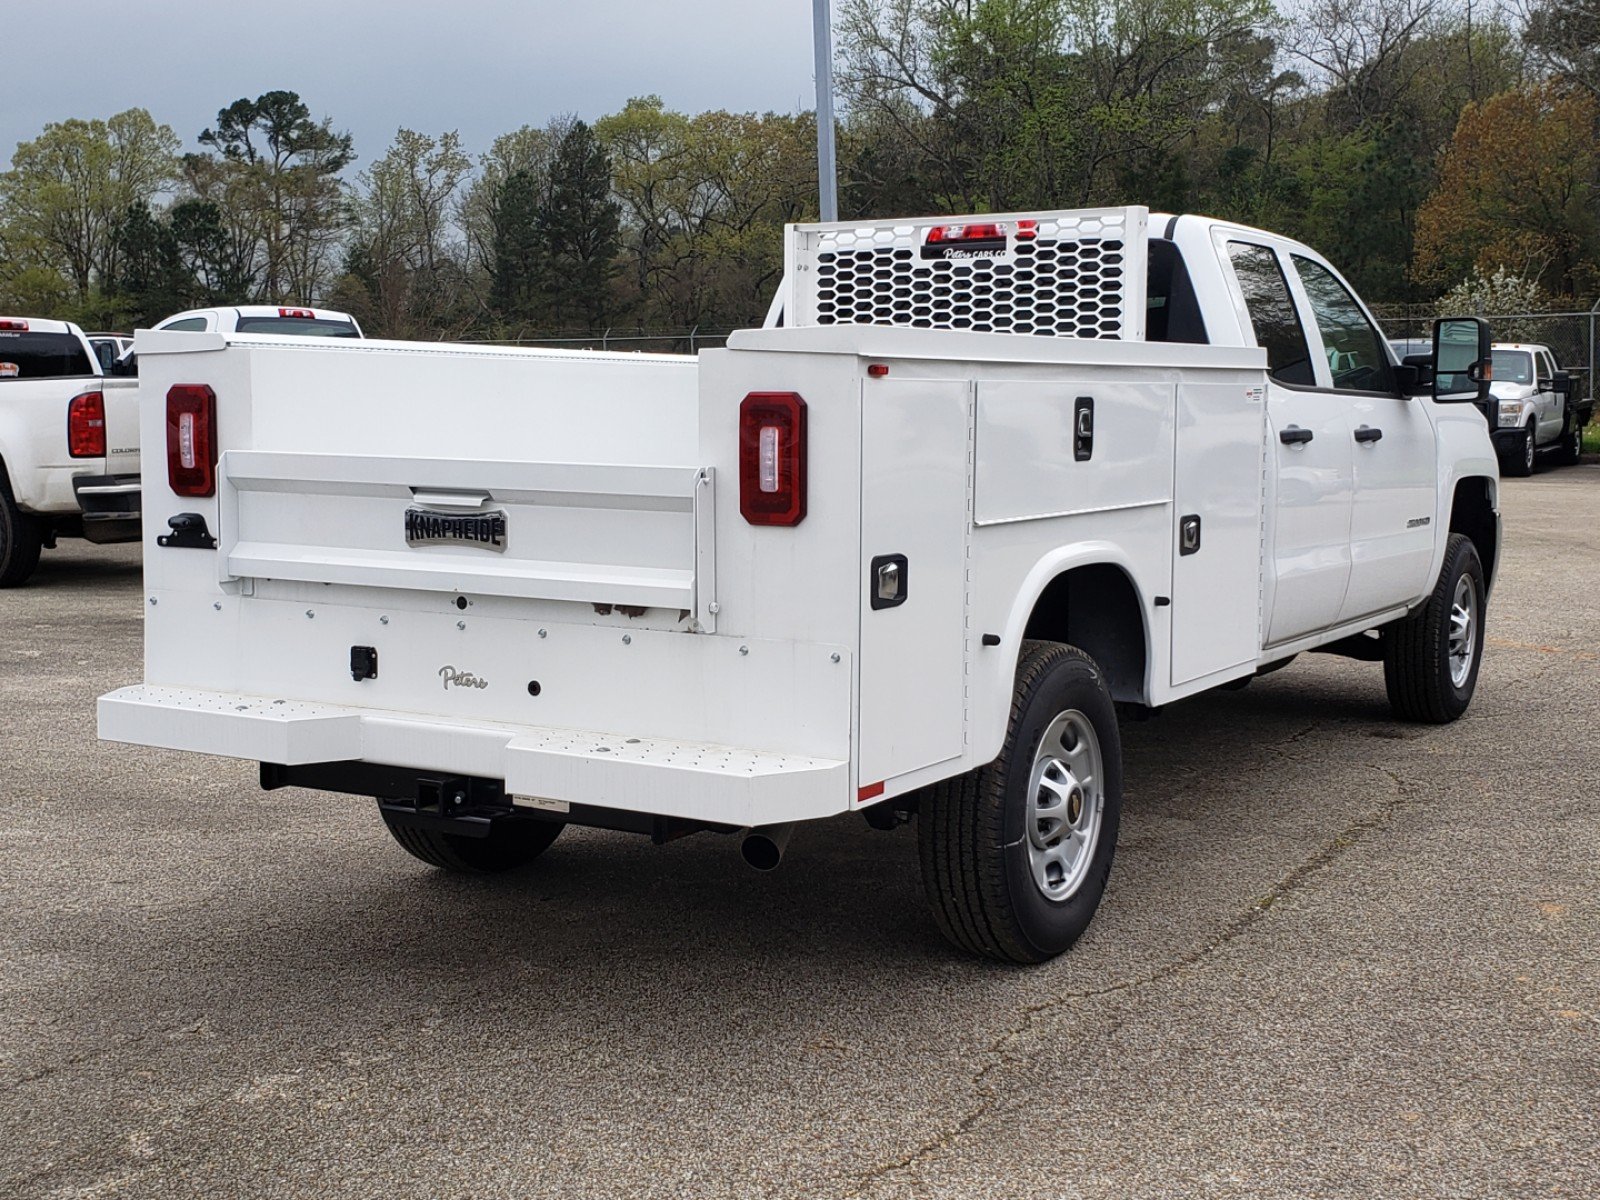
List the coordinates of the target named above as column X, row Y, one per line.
column 998, row 1053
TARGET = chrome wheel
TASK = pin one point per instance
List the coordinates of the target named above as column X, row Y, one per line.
column 1066, row 803
column 1527, row 451
column 1463, row 630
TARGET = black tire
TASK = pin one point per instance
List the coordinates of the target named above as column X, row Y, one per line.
column 972, row 831
column 1571, row 452
column 511, row 845
column 21, row 539
column 1521, row 463
column 1417, row 667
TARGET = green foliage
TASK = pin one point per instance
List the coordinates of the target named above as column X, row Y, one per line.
column 576, row 231
column 1417, row 144
column 68, row 188
column 274, row 175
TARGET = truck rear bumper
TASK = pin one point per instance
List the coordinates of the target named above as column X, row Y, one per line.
column 696, row 781
column 110, row 505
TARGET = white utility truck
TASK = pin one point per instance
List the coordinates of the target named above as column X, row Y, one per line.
column 903, row 550
column 69, row 445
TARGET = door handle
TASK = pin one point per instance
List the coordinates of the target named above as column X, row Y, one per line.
column 1294, row 436
column 1367, row 434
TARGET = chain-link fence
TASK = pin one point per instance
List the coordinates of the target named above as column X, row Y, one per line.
column 1571, row 335
column 644, row 341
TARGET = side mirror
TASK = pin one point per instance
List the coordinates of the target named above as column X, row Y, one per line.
column 1561, row 385
column 1463, row 360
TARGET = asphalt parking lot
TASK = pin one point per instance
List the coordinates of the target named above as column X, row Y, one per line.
column 1339, row 958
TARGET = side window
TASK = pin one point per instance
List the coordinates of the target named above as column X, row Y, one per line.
column 1272, row 315
column 1172, row 310
column 1547, row 368
column 1354, row 347
column 188, row 325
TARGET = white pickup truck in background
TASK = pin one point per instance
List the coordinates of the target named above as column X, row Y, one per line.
column 69, row 445
column 1534, row 408
column 279, row 320
column 901, row 552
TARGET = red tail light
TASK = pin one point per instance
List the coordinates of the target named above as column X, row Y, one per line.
column 302, row 313
column 192, row 440
column 86, row 426
column 13, row 325
column 772, row 458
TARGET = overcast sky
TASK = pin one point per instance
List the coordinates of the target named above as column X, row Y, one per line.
column 482, row 67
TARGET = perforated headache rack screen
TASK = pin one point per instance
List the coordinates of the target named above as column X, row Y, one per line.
column 1055, row 274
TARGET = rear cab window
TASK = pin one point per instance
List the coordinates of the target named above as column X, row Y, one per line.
column 1272, row 313
column 297, row 327
column 43, row 356
column 1513, row 366
column 188, row 325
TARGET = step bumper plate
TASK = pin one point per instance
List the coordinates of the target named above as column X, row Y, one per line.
column 693, row 780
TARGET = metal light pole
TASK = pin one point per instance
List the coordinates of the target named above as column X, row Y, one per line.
column 827, row 173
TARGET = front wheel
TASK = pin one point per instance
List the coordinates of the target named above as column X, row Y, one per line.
column 1431, row 658
column 509, row 845
column 1016, row 854
column 1520, row 461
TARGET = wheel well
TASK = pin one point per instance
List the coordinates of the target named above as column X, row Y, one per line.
column 1096, row 608
column 1472, row 514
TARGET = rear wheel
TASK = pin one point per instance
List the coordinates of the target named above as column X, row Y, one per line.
column 1572, row 445
column 1015, row 855
column 21, row 539
column 511, row 844
column 1431, row 658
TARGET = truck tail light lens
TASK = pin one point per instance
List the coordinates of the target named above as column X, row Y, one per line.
column 13, row 325
column 772, row 458
column 191, row 440
column 86, row 426
column 946, row 235
column 305, row 314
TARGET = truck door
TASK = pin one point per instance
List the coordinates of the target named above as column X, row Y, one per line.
column 915, row 518
column 1392, row 440
column 1308, row 455
column 1552, row 414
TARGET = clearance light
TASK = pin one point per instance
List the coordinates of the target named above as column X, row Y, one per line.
column 13, row 325
column 946, row 235
column 304, row 314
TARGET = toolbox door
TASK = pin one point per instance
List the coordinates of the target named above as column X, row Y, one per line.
column 1216, row 542
column 914, row 529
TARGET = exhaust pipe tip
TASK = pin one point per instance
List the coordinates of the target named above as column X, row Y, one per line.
column 762, row 847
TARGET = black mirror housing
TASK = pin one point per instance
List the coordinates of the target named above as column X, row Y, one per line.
column 1561, row 385
column 1463, row 360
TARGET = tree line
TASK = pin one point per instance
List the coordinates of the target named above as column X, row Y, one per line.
column 1424, row 145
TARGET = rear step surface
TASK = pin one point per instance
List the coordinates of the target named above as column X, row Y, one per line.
column 696, row 780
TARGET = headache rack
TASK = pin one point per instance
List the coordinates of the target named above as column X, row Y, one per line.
column 1079, row 273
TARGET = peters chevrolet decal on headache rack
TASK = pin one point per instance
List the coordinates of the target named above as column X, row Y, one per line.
column 484, row 530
